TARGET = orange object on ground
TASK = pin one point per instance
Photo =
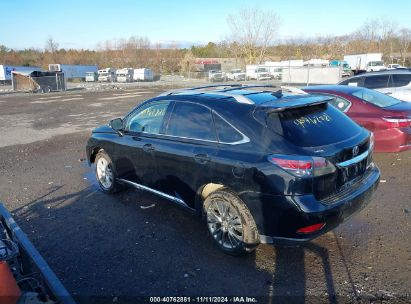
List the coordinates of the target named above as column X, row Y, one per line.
column 9, row 290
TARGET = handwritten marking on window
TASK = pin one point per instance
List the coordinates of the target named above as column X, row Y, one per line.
column 152, row 112
column 313, row 120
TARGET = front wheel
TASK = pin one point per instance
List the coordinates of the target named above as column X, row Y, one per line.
column 105, row 173
column 230, row 223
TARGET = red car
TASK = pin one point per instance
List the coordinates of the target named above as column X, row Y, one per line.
column 387, row 117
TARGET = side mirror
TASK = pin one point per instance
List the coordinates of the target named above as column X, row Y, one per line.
column 117, row 124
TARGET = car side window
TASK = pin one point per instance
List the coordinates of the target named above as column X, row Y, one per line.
column 190, row 120
column 148, row 118
column 376, row 82
column 225, row 132
column 401, row 80
column 340, row 103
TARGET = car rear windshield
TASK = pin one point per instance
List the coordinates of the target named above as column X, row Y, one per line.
column 313, row 126
column 376, row 98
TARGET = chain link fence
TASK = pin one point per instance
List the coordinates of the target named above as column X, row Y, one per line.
column 37, row 81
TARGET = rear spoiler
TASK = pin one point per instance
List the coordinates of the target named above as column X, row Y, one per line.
column 33, row 261
column 293, row 102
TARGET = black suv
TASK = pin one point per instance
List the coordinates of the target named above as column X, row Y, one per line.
column 259, row 165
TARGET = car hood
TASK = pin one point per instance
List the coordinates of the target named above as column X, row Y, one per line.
column 103, row 129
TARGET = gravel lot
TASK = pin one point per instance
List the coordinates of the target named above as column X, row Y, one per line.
column 113, row 248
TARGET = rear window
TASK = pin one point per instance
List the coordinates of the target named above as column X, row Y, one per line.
column 313, row 126
column 376, row 98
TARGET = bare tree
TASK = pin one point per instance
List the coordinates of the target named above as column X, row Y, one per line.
column 254, row 31
column 404, row 42
column 51, row 45
column 388, row 37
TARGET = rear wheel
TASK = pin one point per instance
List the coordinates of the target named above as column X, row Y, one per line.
column 230, row 223
column 105, row 173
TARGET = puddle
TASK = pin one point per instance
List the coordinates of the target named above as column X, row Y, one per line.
column 89, row 177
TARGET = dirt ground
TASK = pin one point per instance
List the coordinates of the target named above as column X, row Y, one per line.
column 108, row 247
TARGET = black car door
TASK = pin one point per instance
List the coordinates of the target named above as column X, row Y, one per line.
column 185, row 154
column 134, row 151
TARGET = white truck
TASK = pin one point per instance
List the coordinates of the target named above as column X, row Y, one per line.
column 107, row 75
column 5, row 71
column 91, row 76
column 125, row 75
column 371, row 62
column 143, row 74
column 395, row 66
column 235, row 75
column 257, row 72
column 316, row 62
column 216, row 76
column 73, row 71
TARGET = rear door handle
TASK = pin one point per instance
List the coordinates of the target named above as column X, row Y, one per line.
column 202, row 158
column 148, row 148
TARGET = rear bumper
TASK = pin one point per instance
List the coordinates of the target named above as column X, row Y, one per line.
column 279, row 217
column 393, row 140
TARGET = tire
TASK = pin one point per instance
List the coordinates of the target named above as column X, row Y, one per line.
column 106, row 173
column 230, row 223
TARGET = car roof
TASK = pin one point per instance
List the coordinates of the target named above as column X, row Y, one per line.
column 337, row 88
column 384, row 72
column 255, row 95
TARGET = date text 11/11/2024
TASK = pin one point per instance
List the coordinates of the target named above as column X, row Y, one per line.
column 203, row 299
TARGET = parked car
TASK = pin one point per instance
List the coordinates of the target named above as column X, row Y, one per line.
column 247, row 159
column 394, row 66
column 257, row 72
column 388, row 118
column 236, row 75
column 396, row 83
column 215, row 76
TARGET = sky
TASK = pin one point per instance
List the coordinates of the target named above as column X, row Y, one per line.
column 85, row 23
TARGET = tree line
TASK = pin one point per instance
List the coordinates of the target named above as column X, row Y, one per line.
column 253, row 38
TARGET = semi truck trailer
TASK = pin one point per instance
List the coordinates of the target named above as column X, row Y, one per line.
column 72, row 71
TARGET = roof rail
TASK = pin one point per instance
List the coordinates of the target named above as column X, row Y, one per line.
column 239, row 97
column 214, row 86
column 243, row 87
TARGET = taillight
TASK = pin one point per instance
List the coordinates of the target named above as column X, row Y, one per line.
column 303, row 166
column 398, row 122
column 311, row 228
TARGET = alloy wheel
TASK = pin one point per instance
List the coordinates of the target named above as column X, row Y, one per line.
column 104, row 173
column 224, row 224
